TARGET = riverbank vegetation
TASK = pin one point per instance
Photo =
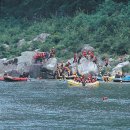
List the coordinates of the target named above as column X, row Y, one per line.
column 105, row 25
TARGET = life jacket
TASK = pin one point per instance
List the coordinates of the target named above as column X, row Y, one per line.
column 84, row 53
column 91, row 54
column 95, row 59
column 83, row 79
column 43, row 54
column 66, row 69
column 90, row 78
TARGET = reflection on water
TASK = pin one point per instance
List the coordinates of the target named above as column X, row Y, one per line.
column 52, row 105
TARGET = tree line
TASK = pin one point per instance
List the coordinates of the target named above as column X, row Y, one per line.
column 33, row 9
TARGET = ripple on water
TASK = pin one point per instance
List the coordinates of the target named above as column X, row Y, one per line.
column 52, row 105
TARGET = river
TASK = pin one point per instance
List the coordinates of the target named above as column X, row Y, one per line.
column 52, row 105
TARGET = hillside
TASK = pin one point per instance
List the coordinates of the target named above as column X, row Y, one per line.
column 104, row 25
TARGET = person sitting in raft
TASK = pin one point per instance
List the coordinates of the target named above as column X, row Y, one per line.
column 94, row 78
column 24, row 75
column 6, row 74
column 105, row 77
column 75, row 76
column 89, row 78
column 83, row 80
column 118, row 75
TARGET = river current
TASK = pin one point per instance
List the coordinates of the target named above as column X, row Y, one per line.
column 52, row 105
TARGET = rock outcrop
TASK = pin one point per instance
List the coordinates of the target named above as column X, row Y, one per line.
column 41, row 38
column 87, row 66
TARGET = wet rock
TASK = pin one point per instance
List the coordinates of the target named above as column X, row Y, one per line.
column 35, row 71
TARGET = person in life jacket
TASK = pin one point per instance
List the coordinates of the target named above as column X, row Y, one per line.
column 79, row 58
column 67, row 69
column 36, row 56
column 95, row 60
column 84, row 53
column 75, row 58
column 47, row 55
column 105, row 77
column 91, row 54
column 89, row 79
column 57, row 72
column 75, row 76
column 83, row 80
column 43, row 55
column 40, row 56
column 52, row 52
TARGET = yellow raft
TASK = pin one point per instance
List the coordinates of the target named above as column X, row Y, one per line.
column 73, row 83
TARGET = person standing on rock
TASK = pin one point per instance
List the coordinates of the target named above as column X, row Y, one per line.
column 91, row 54
column 95, row 59
column 84, row 53
column 75, row 58
column 79, row 58
column 52, row 52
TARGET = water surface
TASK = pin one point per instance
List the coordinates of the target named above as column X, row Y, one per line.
column 52, row 105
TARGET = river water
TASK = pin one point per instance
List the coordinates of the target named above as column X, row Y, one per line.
column 52, row 105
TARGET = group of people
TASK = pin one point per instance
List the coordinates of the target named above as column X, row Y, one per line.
column 87, row 54
column 62, row 70
column 40, row 56
column 85, row 79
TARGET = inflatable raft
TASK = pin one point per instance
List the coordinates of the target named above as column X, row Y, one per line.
column 1, row 79
column 124, row 79
column 14, row 79
column 73, row 83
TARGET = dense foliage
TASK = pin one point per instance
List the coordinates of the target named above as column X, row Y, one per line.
column 38, row 8
column 105, row 26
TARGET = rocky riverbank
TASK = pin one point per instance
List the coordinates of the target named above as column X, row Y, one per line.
column 48, row 67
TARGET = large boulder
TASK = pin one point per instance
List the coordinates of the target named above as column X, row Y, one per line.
column 21, row 42
column 86, row 67
column 6, row 65
column 35, row 71
column 87, row 47
column 119, row 67
column 51, row 64
column 41, row 38
column 49, row 68
column 25, row 61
